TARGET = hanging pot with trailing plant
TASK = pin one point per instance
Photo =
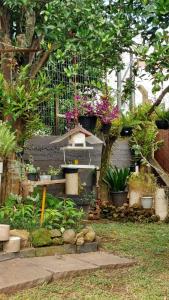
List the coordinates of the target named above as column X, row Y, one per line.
column 126, row 131
column 116, row 179
column 105, row 127
column 88, row 122
column 162, row 124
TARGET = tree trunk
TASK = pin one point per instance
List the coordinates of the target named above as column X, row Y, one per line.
column 105, row 161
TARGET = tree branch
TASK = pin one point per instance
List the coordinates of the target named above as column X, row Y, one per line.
column 158, row 101
column 38, row 65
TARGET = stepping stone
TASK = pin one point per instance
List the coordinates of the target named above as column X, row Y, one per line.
column 63, row 265
column 19, row 274
column 103, row 259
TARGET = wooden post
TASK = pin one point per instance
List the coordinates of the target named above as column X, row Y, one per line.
column 43, row 205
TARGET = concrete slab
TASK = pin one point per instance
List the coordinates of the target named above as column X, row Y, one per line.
column 62, row 265
column 19, row 274
column 24, row 273
column 103, row 259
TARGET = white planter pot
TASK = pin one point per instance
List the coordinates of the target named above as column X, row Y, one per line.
column 1, row 167
column 45, row 177
column 72, row 186
column 147, row 201
column 13, row 245
column 161, row 204
column 4, row 232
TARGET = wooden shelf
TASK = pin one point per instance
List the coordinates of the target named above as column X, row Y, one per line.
column 76, row 148
column 44, row 182
column 69, row 166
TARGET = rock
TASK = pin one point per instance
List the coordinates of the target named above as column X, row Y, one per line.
column 41, row 237
column 55, row 233
column 57, row 241
column 69, row 236
column 90, row 236
column 24, row 235
column 80, row 241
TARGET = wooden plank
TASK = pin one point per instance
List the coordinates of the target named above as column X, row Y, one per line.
column 44, row 182
column 163, row 174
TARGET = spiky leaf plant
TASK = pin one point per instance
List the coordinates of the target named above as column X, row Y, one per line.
column 116, row 179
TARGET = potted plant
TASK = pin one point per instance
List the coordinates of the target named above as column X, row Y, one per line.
column 32, row 172
column 56, row 173
column 84, row 112
column 45, row 176
column 144, row 185
column 106, row 113
column 162, row 121
column 116, row 179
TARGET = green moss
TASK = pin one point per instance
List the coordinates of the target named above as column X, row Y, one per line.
column 41, row 237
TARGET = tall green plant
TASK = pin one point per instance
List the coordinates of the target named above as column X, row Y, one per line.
column 7, row 141
column 20, row 99
column 116, row 179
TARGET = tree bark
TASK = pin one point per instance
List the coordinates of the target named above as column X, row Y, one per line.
column 105, row 161
column 159, row 100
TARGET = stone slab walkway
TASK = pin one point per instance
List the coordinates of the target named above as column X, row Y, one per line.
column 21, row 273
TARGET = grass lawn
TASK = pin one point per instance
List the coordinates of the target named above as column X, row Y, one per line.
column 148, row 280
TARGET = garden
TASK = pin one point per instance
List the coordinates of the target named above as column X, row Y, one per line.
column 64, row 188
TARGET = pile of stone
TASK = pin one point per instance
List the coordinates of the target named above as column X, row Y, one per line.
column 44, row 237
column 128, row 214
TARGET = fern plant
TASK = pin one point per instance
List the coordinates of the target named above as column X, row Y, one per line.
column 8, row 143
column 116, row 179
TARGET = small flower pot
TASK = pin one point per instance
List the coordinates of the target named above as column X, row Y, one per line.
column 13, row 245
column 88, row 122
column 105, row 128
column 119, row 198
column 147, row 202
column 126, row 131
column 162, row 124
column 32, row 176
column 45, row 177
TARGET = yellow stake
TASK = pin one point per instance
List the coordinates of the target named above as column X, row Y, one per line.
column 43, row 204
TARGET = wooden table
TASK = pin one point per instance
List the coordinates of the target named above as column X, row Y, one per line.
column 44, row 183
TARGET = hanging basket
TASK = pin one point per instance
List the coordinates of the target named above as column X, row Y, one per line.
column 126, row 131
column 88, row 122
column 162, row 124
column 105, row 128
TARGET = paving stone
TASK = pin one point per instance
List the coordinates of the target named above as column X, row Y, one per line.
column 28, row 272
column 52, row 250
column 19, row 274
column 63, row 265
column 87, row 247
column 104, row 259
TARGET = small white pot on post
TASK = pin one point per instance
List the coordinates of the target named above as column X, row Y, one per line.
column 4, row 232
column 13, row 245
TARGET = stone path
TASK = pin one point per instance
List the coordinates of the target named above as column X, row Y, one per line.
column 21, row 273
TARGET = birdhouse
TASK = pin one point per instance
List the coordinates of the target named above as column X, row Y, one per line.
column 77, row 139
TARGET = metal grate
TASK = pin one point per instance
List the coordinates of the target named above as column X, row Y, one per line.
column 86, row 77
